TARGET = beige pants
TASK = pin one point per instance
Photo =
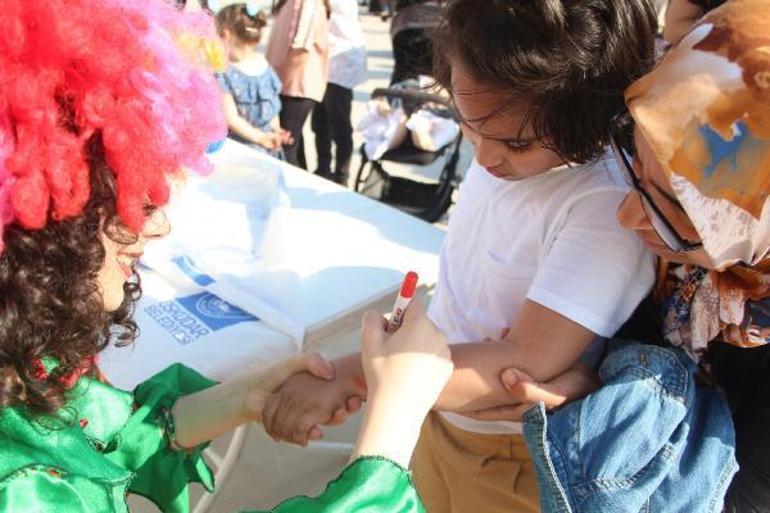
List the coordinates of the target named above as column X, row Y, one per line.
column 457, row 471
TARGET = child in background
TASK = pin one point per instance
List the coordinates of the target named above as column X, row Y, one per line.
column 252, row 87
column 535, row 268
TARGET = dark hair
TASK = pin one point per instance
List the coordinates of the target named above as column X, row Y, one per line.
column 245, row 27
column 567, row 61
column 50, row 305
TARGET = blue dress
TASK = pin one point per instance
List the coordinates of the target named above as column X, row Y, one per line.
column 256, row 97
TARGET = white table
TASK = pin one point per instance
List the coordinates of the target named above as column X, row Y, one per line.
column 350, row 254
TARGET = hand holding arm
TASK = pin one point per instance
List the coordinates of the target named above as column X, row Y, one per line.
column 569, row 386
column 541, row 342
column 212, row 412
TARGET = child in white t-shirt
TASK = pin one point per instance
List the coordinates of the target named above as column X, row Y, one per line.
column 535, row 270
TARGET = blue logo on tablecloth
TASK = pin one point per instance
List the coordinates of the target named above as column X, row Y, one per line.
column 191, row 317
column 213, row 311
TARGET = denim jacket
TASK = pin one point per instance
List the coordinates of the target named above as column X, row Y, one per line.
column 651, row 439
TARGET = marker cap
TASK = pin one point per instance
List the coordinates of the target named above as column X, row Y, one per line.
column 409, row 285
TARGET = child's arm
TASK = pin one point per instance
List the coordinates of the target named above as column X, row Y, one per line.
column 680, row 17
column 595, row 272
column 240, row 126
column 542, row 343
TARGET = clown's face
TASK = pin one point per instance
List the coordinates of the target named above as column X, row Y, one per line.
column 122, row 255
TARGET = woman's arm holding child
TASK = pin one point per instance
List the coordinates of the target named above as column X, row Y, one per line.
column 541, row 342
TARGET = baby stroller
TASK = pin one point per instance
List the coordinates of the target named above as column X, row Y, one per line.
column 429, row 200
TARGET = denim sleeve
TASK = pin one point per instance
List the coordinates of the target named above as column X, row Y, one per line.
column 647, row 440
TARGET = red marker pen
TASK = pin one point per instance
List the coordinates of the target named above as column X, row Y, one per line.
column 405, row 296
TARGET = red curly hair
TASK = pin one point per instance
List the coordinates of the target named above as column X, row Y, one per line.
column 132, row 71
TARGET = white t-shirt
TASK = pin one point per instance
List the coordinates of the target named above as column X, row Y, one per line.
column 553, row 239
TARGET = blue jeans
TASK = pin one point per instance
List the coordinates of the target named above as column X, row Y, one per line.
column 651, row 439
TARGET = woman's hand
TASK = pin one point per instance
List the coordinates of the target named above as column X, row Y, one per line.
column 261, row 385
column 212, row 412
column 569, row 386
column 405, row 374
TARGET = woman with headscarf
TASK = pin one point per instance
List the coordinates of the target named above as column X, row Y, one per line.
column 699, row 163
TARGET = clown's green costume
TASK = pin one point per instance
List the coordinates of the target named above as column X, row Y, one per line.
column 106, row 443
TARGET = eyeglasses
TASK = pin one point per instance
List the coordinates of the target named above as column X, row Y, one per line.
column 622, row 147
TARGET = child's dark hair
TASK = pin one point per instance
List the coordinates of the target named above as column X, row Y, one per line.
column 568, row 61
column 236, row 19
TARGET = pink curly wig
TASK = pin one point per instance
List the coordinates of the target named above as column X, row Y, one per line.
column 138, row 72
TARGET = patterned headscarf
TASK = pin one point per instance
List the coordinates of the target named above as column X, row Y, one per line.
column 705, row 111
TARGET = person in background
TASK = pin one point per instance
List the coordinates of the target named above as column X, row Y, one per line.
column 251, row 86
column 347, row 66
column 682, row 14
column 298, row 49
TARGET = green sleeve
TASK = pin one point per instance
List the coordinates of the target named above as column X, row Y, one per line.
column 162, row 472
column 368, row 485
column 42, row 490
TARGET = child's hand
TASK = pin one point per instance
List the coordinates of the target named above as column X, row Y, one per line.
column 285, row 136
column 259, row 387
column 304, row 402
column 405, row 373
column 214, row 411
column 409, row 368
column 270, row 140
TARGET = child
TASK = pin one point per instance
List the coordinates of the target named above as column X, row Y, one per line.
column 251, row 100
column 535, row 267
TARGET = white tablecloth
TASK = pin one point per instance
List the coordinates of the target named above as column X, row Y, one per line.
column 335, row 252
